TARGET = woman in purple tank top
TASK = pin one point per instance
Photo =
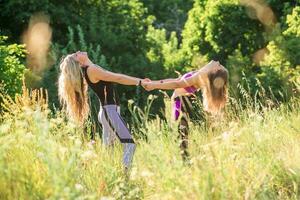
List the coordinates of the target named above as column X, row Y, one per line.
column 211, row 79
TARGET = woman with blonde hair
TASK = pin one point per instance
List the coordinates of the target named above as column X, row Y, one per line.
column 77, row 73
column 212, row 80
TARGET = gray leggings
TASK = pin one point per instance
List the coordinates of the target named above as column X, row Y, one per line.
column 113, row 126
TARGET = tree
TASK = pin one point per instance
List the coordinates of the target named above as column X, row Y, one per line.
column 169, row 14
column 12, row 68
column 217, row 28
column 163, row 52
column 284, row 56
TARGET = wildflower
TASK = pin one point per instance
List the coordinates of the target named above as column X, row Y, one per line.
column 225, row 135
column 88, row 155
column 78, row 187
column 146, row 173
column 130, row 101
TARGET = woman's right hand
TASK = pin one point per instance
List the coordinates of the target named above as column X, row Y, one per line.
column 147, row 85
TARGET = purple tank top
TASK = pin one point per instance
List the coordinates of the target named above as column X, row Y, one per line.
column 190, row 89
column 177, row 103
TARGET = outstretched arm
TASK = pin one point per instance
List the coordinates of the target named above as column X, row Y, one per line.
column 97, row 73
column 166, row 80
column 194, row 80
column 172, row 83
column 102, row 74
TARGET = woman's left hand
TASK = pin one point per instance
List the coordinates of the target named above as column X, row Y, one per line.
column 148, row 85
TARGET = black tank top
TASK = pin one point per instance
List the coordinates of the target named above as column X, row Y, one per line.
column 104, row 90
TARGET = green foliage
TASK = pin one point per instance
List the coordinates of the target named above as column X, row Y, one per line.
column 193, row 33
column 283, row 58
column 238, row 65
column 277, row 59
column 282, row 8
column 293, row 22
column 16, row 14
column 12, row 68
column 118, row 26
column 170, row 15
column 140, row 117
column 163, row 52
column 217, row 28
column 156, row 38
column 277, row 71
column 292, row 37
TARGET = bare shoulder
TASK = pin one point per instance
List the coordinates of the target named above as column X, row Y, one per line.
column 198, row 78
column 94, row 73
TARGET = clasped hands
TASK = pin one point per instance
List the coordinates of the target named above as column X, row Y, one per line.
column 148, row 84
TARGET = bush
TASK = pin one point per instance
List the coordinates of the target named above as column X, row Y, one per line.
column 211, row 29
column 281, row 66
column 12, row 68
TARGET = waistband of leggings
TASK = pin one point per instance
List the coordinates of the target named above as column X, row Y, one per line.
column 108, row 107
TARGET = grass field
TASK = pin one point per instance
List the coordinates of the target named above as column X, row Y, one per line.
column 250, row 154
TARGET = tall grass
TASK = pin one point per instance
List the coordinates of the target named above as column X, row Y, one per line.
column 252, row 153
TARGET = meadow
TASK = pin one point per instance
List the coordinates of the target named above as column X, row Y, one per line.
column 251, row 153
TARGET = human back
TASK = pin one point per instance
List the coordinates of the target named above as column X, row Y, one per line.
column 104, row 90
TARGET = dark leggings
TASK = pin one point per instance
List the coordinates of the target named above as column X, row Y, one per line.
column 191, row 110
column 183, row 126
column 183, row 130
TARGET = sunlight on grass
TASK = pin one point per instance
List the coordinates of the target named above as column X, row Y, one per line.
column 252, row 154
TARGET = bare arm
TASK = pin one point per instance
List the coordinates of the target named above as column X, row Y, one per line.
column 170, row 85
column 173, row 83
column 166, row 80
column 99, row 73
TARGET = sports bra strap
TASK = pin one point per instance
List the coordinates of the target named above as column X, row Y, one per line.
column 85, row 74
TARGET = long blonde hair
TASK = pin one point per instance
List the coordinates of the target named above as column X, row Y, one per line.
column 215, row 92
column 72, row 89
